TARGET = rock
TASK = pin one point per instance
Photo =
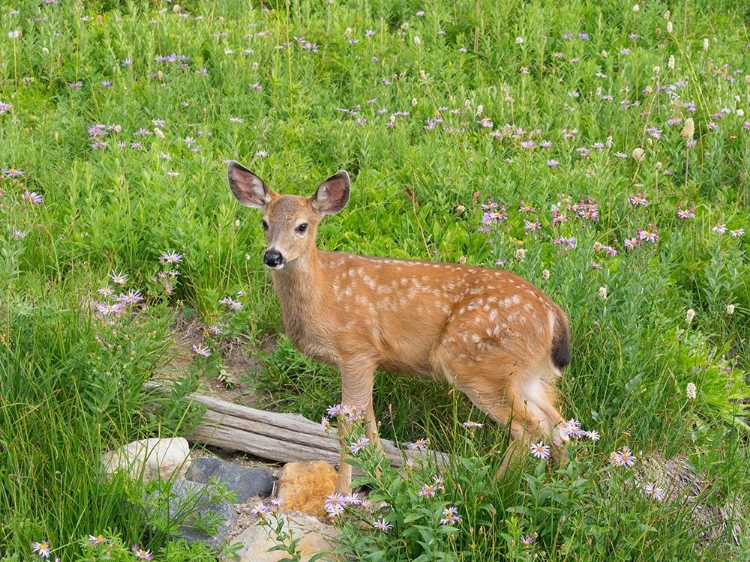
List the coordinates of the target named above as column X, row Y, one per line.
column 315, row 537
column 150, row 459
column 244, row 482
column 190, row 503
column 304, row 486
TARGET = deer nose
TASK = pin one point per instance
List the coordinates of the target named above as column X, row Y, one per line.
column 273, row 258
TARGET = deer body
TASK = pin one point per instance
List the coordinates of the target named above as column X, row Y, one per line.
column 492, row 334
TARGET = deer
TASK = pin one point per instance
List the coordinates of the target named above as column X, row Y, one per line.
column 488, row 332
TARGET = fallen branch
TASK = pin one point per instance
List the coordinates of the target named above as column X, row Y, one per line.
column 274, row 436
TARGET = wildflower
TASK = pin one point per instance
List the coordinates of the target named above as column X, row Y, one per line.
column 201, row 350
column 419, row 444
column 737, row 232
column 545, row 274
column 603, row 293
column 439, row 486
column 326, row 423
column 172, row 174
column 170, row 257
column 540, row 450
column 32, row 197
column 525, row 207
column 358, row 445
column 334, row 504
column 97, row 540
column 382, row 525
column 15, row 34
column 450, row 516
column 41, row 548
column 689, row 315
column 260, row 510
column 109, row 308
column 427, row 491
column 651, row 235
column 526, row 540
column 142, row 554
column 531, row 226
column 472, row 425
column 653, row 491
column 720, row 228
column 626, row 457
column 566, row 243
column 132, row 297
column 520, row 254
column 13, row 172
column 691, row 391
column 118, row 278
column 685, row 214
column 730, row 309
column 593, row 435
column 638, row 154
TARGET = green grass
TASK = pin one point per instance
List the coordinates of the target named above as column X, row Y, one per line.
column 432, row 115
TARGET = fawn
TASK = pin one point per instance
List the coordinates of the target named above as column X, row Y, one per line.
column 492, row 334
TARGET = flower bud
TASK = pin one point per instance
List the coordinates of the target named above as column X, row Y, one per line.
column 688, row 130
column 638, row 154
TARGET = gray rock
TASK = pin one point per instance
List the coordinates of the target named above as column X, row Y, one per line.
column 244, row 482
column 191, row 503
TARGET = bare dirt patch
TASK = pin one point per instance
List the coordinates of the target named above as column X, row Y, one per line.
column 240, row 362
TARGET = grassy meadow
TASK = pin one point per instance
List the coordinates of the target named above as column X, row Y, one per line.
column 599, row 149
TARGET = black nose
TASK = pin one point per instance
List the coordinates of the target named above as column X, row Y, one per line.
column 273, row 258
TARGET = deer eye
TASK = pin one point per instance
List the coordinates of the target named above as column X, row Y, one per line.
column 302, row 227
column 265, row 224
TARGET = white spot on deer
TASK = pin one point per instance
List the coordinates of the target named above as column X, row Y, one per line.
column 515, row 299
column 370, row 282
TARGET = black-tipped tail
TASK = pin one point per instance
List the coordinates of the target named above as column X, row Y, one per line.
column 561, row 343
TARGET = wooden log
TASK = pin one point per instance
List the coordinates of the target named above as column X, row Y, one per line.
column 277, row 437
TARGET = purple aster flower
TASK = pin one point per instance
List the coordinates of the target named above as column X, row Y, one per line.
column 201, row 350
column 653, row 491
column 13, row 172
column 450, row 516
column 540, row 450
column 358, row 445
column 32, row 197
column 382, row 525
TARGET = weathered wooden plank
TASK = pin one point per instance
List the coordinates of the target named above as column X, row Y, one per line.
column 274, row 436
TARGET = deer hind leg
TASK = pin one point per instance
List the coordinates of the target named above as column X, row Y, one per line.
column 356, row 383
column 493, row 374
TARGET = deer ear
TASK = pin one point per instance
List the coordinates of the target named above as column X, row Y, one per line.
column 332, row 195
column 248, row 188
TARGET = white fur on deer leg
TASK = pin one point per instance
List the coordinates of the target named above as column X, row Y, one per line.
column 492, row 334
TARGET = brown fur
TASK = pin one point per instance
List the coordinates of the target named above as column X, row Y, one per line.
column 492, row 334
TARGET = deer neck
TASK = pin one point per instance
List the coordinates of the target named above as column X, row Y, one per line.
column 300, row 290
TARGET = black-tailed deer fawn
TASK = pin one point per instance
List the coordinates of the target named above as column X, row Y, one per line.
column 493, row 335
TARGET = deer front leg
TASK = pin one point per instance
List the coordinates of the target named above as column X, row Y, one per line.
column 356, row 389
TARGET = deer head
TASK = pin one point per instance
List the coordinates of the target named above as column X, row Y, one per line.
column 290, row 222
